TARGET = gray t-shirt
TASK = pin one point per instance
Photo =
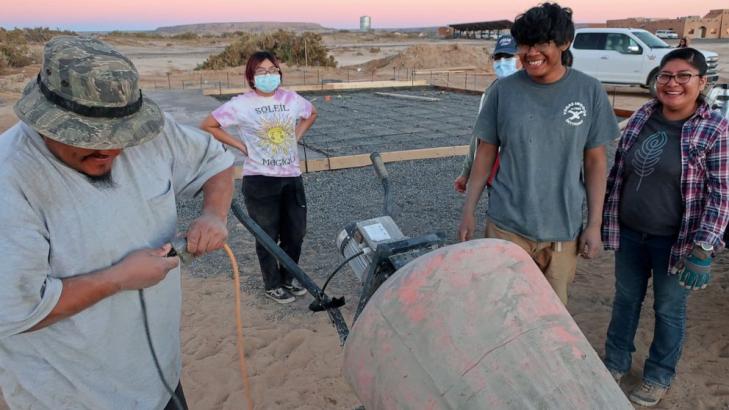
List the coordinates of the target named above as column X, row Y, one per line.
column 651, row 201
column 56, row 225
column 542, row 131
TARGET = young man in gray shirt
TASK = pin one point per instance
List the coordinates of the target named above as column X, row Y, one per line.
column 551, row 124
column 89, row 180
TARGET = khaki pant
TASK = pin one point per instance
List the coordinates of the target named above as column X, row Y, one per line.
column 557, row 260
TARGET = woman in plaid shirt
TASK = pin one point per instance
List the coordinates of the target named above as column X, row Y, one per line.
column 666, row 208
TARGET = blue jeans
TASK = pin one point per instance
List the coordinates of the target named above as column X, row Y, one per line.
column 638, row 256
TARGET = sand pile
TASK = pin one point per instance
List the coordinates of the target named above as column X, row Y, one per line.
column 432, row 56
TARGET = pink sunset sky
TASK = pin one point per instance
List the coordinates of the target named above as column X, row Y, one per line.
column 146, row 15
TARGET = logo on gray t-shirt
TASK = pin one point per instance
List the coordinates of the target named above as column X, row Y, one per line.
column 648, row 155
column 575, row 113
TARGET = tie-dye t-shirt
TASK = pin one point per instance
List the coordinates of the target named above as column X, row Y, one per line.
column 267, row 126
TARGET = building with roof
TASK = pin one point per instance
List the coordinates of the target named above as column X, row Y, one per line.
column 482, row 29
column 714, row 24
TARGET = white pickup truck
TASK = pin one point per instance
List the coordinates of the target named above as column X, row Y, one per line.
column 626, row 56
column 669, row 34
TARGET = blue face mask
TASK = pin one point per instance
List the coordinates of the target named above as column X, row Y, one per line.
column 505, row 67
column 267, row 83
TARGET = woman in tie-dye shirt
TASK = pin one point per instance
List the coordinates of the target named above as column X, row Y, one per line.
column 269, row 121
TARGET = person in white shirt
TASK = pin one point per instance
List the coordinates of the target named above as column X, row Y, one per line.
column 270, row 121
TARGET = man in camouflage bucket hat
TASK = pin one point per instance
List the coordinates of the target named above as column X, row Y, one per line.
column 89, row 180
column 87, row 96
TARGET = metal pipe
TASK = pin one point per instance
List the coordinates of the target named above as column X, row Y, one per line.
column 382, row 174
column 272, row 247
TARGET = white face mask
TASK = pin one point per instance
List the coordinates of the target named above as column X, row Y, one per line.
column 505, row 67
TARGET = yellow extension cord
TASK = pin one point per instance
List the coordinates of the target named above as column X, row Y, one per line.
column 239, row 327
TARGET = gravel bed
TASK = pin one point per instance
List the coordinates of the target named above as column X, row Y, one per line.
column 359, row 122
column 423, row 202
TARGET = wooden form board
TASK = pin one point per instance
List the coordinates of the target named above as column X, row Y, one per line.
column 409, row 97
column 360, row 85
column 464, row 69
column 363, row 160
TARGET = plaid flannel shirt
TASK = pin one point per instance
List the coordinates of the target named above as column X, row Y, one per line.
column 704, row 181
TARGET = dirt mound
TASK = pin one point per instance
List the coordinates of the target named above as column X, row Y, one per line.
column 248, row 26
column 432, row 56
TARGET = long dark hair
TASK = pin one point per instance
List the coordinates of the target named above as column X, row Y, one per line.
column 255, row 60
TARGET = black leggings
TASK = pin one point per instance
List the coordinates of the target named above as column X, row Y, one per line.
column 278, row 205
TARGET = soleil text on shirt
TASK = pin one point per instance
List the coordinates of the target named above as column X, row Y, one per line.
column 271, row 108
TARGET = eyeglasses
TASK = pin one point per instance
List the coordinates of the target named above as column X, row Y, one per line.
column 272, row 70
column 681, row 78
column 540, row 47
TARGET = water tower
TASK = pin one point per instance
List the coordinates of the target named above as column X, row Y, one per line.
column 365, row 23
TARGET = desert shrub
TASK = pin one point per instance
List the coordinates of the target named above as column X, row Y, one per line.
column 17, row 55
column 15, row 50
column 185, row 36
column 43, row 34
column 289, row 47
column 134, row 34
column 374, row 50
column 30, row 35
column 232, row 34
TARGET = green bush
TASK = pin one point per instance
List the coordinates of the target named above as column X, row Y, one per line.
column 289, row 47
column 15, row 48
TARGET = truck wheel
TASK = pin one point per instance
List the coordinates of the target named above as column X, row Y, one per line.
column 652, row 83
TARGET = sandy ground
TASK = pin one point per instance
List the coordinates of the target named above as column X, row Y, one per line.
column 294, row 357
column 295, row 360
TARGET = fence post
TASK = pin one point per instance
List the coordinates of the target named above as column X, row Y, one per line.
column 304, row 76
column 220, row 89
column 394, row 73
column 448, row 78
column 201, row 81
column 465, row 85
column 347, row 75
column 318, row 79
column 227, row 79
column 169, row 82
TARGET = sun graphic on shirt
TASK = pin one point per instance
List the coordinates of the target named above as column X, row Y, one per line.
column 275, row 135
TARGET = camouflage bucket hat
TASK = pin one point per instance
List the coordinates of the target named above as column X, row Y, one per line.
column 87, row 96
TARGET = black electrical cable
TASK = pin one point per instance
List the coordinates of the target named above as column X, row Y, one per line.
column 331, row 275
column 178, row 404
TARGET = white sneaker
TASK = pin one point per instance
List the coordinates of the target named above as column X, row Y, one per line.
column 294, row 289
column 280, row 295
